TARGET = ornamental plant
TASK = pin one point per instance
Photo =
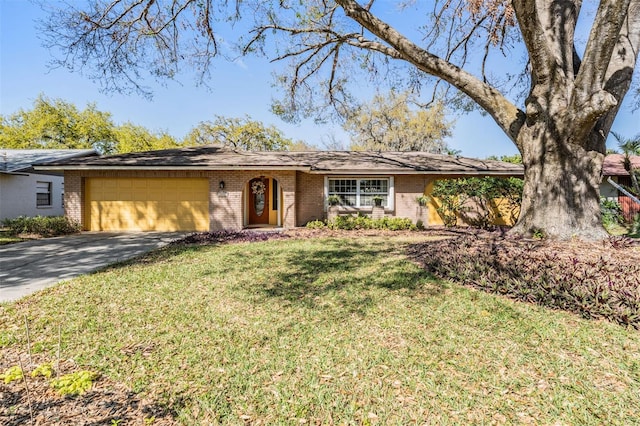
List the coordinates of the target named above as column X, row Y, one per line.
column 595, row 281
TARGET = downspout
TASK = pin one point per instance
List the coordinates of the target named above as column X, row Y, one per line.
column 624, row 191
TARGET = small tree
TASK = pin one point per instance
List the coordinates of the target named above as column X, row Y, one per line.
column 387, row 123
column 239, row 133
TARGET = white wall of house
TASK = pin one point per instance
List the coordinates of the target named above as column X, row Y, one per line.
column 607, row 190
column 18, row 195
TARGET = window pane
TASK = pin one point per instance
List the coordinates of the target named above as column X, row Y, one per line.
column 374, row 186
column 274, row 194
column 342, row 186
column 43, row 193
column 348, row 200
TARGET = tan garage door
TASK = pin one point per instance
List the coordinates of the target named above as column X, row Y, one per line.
column 153, row 204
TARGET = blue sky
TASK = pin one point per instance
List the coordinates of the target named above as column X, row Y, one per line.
column 237, row 89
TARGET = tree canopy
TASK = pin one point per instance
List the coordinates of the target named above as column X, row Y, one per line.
column 129, row 137
column 387, row 123
column 58, row 124
column 239, row 133
column 571, row 90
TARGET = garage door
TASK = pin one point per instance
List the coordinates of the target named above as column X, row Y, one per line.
column 157, row 204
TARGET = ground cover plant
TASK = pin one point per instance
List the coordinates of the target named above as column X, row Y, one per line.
column 595, row 280
column 339, row 329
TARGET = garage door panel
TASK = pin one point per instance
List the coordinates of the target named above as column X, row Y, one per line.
column 171, row 204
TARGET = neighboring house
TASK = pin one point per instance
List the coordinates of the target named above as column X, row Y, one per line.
column 209, row 187
column 613, row 168
column 26, row 192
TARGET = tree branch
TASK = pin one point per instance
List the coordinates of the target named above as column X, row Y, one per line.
column 506, row 115
column 604, row 36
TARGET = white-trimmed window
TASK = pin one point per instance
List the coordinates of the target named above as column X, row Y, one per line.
column 359, row 192
column 43, row 194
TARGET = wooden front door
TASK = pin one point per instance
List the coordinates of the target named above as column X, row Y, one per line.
column 259, row 202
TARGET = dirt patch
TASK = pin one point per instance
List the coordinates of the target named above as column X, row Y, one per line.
column 32, row 401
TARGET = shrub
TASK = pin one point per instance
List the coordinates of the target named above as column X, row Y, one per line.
column 360, row 221
column 12, row 374
column 316, row 224
column 634, row 230
column 594, row 281
column 75, row 383
column 611, row 212
column 45, row 226
column 487, row 192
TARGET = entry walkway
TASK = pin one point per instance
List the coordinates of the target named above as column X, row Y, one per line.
column 29, row 266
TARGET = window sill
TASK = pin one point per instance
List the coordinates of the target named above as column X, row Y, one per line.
column 368, row 209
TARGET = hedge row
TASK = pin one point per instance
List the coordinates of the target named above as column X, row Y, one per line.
column 364, row 222
column 44, row 226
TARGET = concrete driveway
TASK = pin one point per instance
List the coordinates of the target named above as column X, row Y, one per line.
column 29, row 266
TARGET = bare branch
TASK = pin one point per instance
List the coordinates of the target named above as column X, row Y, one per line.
column 506, row 115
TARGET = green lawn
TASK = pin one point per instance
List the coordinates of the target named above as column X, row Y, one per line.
column 7, row 238
column 330, row 331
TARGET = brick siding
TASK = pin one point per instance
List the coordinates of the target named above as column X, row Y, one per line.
column 407, row 189
column 309, row 198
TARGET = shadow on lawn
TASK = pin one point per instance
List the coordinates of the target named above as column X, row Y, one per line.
column 346, row 273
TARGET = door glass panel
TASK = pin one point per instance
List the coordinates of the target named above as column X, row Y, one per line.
column 258, row 201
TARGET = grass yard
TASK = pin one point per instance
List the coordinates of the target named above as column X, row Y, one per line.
column 7, row 238
column 333, row 330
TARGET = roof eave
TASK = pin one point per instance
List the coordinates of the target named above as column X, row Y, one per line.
column 417, row 172
column 199, row 168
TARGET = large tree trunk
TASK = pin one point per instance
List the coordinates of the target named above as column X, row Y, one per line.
column 561, row 197
column 563, row 144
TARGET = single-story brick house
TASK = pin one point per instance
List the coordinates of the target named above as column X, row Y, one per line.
column 210, row 187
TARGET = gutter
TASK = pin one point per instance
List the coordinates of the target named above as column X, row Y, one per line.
column 624, row 191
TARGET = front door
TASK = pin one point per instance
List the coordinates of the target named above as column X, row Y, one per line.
column 259, row 201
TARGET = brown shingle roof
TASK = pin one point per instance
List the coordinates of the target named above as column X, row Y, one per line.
column 613, row 165
column 324, row 162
